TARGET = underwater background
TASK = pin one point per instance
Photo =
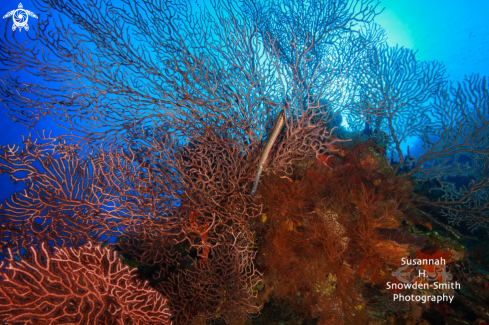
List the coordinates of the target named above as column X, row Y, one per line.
column 244, row 162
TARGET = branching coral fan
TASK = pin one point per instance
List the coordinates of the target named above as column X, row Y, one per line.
column 169, row 106
column 88, row 285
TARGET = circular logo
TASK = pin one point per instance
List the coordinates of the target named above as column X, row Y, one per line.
column 20, row 18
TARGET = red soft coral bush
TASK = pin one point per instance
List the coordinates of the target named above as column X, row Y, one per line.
column 320, row 241
column 88, row 285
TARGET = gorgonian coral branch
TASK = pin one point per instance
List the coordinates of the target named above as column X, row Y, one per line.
column 88, row 285
column 458, row 150
column 68, row 197
column 222, row 286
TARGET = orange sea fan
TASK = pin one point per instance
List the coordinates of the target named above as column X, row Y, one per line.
column 87, row 285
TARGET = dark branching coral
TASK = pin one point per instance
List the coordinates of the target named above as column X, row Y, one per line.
column 169, row 105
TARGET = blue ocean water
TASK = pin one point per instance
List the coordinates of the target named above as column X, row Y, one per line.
column 453, row 32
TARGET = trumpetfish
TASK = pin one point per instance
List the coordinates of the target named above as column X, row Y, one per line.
column 279, row 123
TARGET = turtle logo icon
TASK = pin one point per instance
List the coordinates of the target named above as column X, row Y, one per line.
column 20, row 17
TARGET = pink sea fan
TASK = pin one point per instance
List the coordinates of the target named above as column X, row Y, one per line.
column 88, row 285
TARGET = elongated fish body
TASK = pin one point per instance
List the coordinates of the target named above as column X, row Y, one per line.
column 279, row 123
column 257, row 178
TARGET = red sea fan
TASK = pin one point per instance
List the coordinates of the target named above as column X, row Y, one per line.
column 88, row 285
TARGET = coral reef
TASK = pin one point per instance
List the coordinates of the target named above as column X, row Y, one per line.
column 87, row 285
column 167, row 112
column 319, row 243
